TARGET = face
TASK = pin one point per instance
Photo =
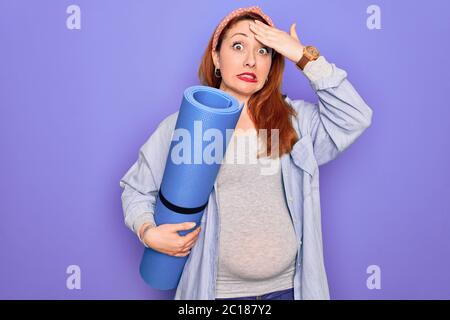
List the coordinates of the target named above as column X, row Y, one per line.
column 239, row 53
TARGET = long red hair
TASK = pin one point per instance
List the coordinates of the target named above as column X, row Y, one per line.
column 267, row 107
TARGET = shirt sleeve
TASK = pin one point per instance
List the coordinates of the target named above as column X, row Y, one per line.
column 339, row 117
column 139, row 194
column 140, row 185
column 317, row 69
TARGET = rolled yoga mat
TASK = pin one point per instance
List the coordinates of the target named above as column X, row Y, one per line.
column 195, row 154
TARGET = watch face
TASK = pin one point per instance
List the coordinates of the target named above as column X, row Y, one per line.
column 312, row 51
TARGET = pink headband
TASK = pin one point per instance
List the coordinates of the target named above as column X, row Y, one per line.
column 236, row 13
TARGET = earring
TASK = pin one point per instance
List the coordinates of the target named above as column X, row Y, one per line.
column 215, row 73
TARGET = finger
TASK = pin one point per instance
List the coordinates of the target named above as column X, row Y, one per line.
column 183, row 254
column 190, row 243
column 261, row 36
column 254, row 28
column 264, row 29
column 293, row 31
column 264, row 26
column 191, row 235
column 184, row 250
column 259, row 32
column 264, row 40
column 183, row 226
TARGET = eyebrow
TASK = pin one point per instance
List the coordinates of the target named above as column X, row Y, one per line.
column 238, row 33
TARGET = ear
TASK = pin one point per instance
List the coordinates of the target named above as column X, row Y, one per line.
column 215, row 57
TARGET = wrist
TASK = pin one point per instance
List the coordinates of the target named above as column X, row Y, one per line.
column 310, row 53
column 299, row 54
column 143, row 230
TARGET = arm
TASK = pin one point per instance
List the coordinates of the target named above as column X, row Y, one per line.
column 139, row 194
column 340, row 116
column 142, row 181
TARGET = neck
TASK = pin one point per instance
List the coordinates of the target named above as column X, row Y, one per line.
column 241, row 99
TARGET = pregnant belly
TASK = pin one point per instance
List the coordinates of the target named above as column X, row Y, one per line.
column 256, row 254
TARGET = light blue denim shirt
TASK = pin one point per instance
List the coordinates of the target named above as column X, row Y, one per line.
column 325, row 130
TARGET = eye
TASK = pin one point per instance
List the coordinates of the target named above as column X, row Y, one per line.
column 236, row 43
column 267, row 50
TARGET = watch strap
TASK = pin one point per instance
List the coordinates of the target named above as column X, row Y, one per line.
column 302, row 62
column 306, row 57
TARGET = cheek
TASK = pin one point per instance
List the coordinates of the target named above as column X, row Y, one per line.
column 264, row 69
column 232, row 60
column 231, row 68
column 267, row 63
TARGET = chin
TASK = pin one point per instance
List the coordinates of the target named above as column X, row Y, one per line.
column 248, row 87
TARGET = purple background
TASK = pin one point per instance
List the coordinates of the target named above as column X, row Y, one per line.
column 76, row 105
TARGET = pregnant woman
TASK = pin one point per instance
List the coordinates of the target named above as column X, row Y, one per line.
column 260, row 236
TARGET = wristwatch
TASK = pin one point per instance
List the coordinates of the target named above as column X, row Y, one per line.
column 310, row 53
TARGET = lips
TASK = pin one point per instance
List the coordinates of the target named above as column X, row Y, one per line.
column 247, row 76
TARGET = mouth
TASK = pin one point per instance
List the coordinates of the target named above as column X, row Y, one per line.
column 248, row 77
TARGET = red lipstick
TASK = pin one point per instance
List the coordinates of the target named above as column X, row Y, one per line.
column 248, row 77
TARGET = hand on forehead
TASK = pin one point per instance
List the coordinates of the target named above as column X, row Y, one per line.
column 236, row 13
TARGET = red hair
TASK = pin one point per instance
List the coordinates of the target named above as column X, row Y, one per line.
column 267, row 107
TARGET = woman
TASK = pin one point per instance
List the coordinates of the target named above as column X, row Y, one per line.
column 270, row 243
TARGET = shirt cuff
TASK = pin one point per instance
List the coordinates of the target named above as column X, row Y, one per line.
column 317, row 69
column 146, row 217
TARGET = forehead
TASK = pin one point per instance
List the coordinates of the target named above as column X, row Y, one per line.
column 241, row 27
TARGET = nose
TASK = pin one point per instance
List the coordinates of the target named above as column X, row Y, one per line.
column 250, row 60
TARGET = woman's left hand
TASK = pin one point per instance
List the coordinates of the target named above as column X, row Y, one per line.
column 288, row 45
